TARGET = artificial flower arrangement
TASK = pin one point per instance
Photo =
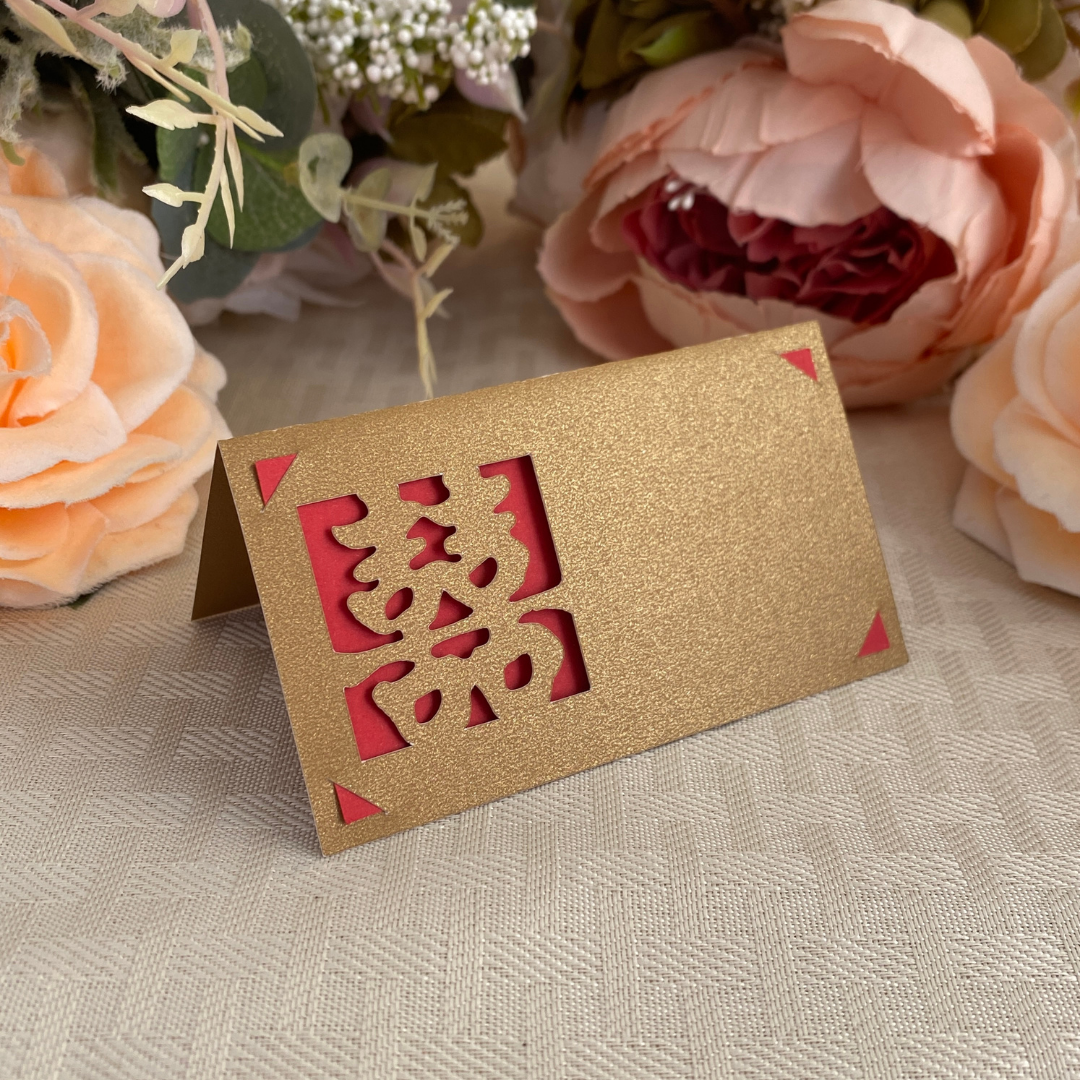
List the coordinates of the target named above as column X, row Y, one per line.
column 704, row 168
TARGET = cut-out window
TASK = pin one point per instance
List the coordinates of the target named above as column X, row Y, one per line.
column 374, row 731
column 480, row 710
column 450, row 611
column 484, row 574
column 571, row 678
column 399, row 603
column 333, row 565
column 518, row 673
column 434, row 536
column 353, row 807
column 530, row 527
column 435, row 658
column 427, row 491
column 462, row 645
column 426, row 707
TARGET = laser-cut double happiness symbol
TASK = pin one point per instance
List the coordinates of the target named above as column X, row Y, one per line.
column 442, row 578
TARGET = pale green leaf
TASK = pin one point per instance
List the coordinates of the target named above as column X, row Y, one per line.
column 45, row 22
column 419, row 241
column 182, row 47
column 435, row 303
column 169, row 114
column 324, row 160
column 171, row 195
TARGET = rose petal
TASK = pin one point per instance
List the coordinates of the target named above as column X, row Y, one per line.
column 976, row 513
column 660, row 102
column 952, row 197
column 1044, row 553
column 32, row 534
column 614, row 326
column 909, row 66
column 150, row 348
column 207, row 374
column 1032, row 187
column 981, row 393
column 812, row 181
column 1045, row 467
column 38, row 175
column 71, row 483
column 136, row 503
column 573, row 266
column 121, row 552
column 668, row 304
column 82, row 430
column 186, row 420
column 49, row 285
column 1017, row 103
column 1047, row 341
column 91, row 225
column 61, row 571
column 137, row 229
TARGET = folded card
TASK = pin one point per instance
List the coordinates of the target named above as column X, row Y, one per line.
column 470, row 596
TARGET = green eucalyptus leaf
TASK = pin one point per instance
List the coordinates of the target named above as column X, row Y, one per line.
column 176, row 152
column 1047, row 50
column 952, row 15
column 1013, row 24
column 217, row 273
column 275, row 212
column 288, row 100
column 248, row 86
column 454, row 132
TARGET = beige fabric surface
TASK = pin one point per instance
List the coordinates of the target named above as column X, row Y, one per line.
column 883, row 881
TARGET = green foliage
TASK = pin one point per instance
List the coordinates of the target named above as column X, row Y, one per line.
column 1048, row 49
column 275, row 211
column 446, row 189
column 454, row 134
column 219, row 271
column 282, row 86
column 277, row 81
column 18, row 83
column 109, row 138
column 1031, row 31
column 615, row 42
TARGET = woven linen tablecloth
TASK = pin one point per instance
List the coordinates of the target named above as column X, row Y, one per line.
column 881, row 881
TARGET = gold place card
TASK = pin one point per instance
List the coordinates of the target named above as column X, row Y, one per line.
column 471, row 596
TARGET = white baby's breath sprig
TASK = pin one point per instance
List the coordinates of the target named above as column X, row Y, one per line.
column 407, row 50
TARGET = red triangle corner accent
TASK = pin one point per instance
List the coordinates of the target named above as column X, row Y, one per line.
column 877, row 638
column 352, row 806
column 270, row 472
column 803, row 359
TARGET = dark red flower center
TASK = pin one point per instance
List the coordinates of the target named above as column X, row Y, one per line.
column 862, row 271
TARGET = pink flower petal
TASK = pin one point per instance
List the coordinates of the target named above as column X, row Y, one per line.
column 911, row 67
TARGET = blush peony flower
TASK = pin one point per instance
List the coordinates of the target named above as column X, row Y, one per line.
column 1016, row 418
column 107, row 412
column 903, row 187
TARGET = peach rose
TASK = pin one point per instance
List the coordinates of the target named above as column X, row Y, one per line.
column 106, row 401
column 903, row 187
column 1016, row 418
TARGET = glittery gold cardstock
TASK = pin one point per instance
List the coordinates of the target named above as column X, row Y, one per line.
column 471, row 596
